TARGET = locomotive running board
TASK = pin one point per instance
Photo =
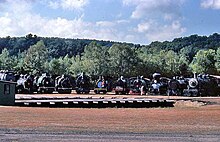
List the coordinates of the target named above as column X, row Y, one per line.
column 95, row 102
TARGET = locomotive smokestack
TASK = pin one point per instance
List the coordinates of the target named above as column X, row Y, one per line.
column 194, row 75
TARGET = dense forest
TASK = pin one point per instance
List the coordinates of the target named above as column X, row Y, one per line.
column 182, row 56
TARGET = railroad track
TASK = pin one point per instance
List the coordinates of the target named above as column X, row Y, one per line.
column 93, row 102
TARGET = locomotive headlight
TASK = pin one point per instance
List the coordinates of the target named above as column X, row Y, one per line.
column 193, row 83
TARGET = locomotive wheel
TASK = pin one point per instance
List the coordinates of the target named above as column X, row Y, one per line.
column 96, row 91
column 78, row 92
column 86, row 92
column 104, row 92
column 42, row 91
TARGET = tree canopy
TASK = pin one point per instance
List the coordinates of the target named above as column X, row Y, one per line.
column 182, row 56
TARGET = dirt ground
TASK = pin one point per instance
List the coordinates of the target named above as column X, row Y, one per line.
column 183, row 122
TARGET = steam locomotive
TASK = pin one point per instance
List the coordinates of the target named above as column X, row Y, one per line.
column 63, row 84
column 159, row 84
column 199, row 85
column 176, row 86
column 202, row 85
column 25, row 84
column 138, row 85
column 83, row 84
column 44, row 83
column 121, row 86
column 7, row 76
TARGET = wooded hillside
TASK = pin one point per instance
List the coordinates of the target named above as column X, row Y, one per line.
column 182, row 56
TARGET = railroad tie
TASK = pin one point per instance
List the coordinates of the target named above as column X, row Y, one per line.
column 65, row 103
column 85, row 102
column 76, row 102
column 52, row 103
column 38, row 103
column 27, row 104
column 146, row 101
column 154, row 101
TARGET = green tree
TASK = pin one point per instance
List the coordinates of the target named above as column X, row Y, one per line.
column 19, row 62
column 95, row 59
column 76, row 65
column 54, row 67
column 123, row 60
column 217, row 58
column 174, row 63
column 204, row 62
column 36, row 57
column 6, row 62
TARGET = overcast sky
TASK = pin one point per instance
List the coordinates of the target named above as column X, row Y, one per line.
column 136, row 21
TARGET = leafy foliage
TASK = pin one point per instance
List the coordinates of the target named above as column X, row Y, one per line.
column 182, row 56
column 204, row 61
column 35, row 58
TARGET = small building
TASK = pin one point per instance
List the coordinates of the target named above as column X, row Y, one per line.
column 7, row 93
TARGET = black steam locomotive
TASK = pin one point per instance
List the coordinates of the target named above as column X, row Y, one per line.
column 121, row 86
column 83, row 84
column 202, row 85
column 25, row 84
column 7, row 76
column 63, row 84
column 138, row 85
column 176, row 86
column 44, row 83
column 159, row 84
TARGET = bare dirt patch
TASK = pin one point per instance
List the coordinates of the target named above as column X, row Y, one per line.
column 197, row 117
column 193, row 120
